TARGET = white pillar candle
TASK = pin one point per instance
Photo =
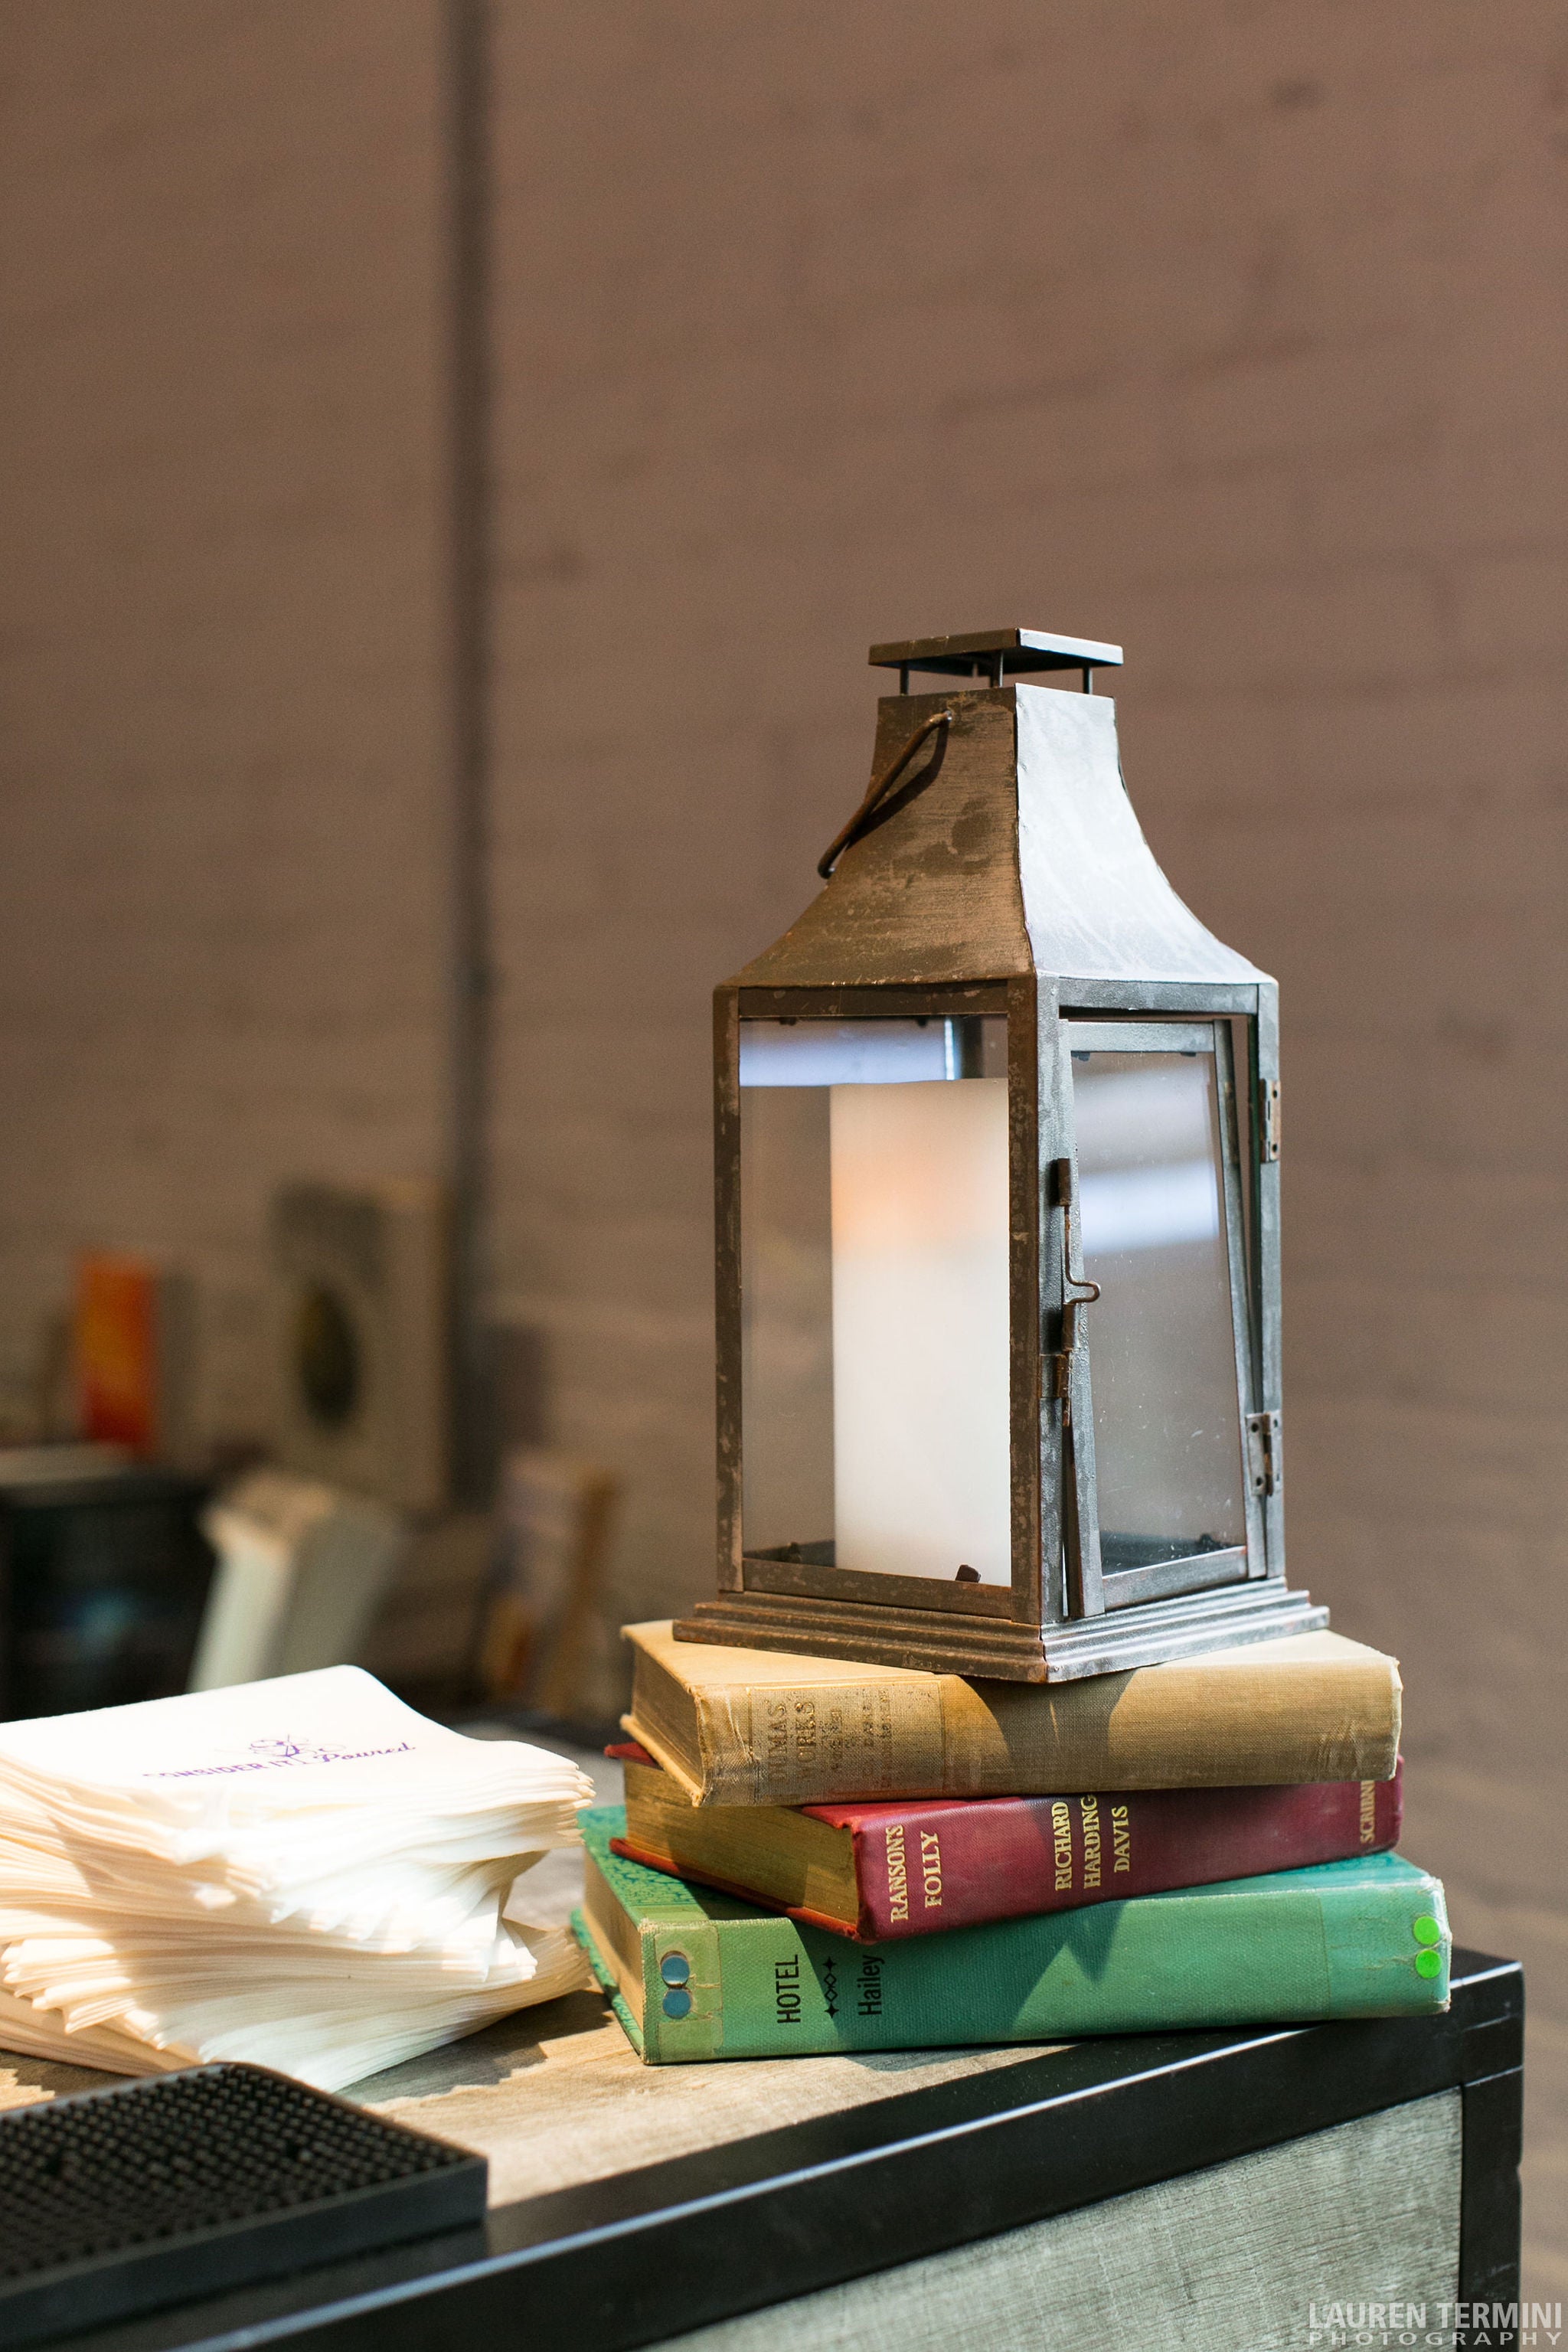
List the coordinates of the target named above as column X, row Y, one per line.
column 921, row 1415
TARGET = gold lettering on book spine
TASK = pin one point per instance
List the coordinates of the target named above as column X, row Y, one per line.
column 1089, row 1809
column 1121, row 1838
column 898, row 1872
column 817, row 1744
column 1368, row 1812
column 1061, row 1843
column 931, row 1869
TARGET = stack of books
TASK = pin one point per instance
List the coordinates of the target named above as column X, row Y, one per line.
column 815, row 1855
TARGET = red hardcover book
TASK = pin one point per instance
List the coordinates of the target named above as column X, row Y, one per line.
column 875, row 1872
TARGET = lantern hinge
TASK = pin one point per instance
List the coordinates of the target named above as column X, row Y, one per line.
column 1269, row 1119
column 1265, row 1464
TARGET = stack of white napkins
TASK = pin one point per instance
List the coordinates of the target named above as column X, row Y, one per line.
column 303, row 1873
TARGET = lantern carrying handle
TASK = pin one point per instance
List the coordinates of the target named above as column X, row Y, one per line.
column 880, row 786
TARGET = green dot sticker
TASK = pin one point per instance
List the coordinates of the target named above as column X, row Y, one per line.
column 1425, row 1930
column 1428, row 1963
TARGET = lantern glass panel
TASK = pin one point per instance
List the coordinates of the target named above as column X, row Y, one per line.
column 1162, row 1347
column 874, row 1269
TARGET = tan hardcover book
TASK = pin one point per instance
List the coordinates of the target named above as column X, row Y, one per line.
column 759, row 1728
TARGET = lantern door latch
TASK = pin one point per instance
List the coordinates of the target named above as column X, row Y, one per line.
column 1269, row 1119
column 1265, row 1466
column 1077, row 1291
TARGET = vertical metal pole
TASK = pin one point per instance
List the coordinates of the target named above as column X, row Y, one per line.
column 466, row 67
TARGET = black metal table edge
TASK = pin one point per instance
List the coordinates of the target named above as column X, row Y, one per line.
column 652, row 2252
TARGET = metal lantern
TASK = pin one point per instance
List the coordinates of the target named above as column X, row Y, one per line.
column 998, row 1220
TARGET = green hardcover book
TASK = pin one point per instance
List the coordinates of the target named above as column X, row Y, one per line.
column 695, row 1974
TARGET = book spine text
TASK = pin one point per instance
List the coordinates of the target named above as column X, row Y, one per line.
column 955, row 1865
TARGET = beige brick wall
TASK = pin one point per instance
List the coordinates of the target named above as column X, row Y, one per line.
column 1232, row 331
column 221, row 774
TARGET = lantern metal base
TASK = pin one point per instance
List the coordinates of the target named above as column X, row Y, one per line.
column 998, row 1648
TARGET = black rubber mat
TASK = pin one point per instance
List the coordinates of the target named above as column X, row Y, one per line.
column 120, row 2201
